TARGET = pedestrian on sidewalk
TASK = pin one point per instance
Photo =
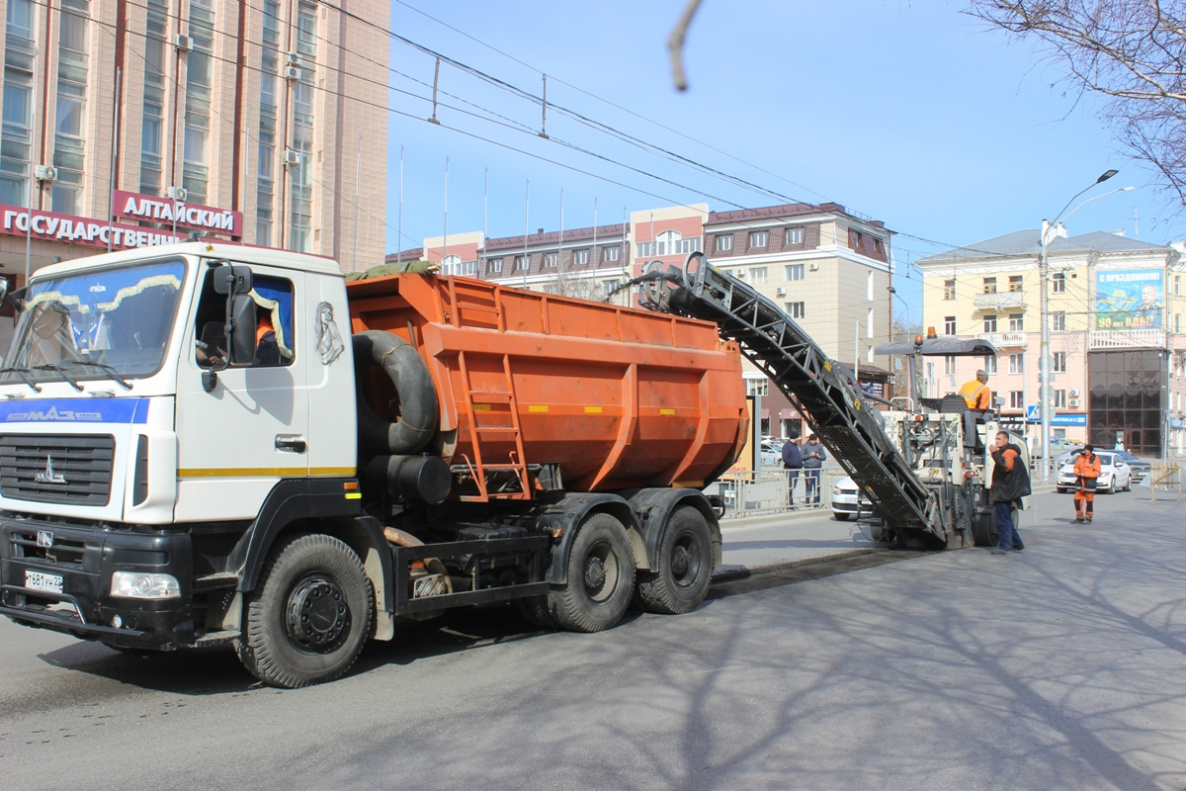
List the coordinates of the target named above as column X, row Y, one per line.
column 1087, row 469
column 814, row 457
column 792, row 462
column 1010, row 482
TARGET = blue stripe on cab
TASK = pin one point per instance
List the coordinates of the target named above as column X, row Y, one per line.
column 75, row 411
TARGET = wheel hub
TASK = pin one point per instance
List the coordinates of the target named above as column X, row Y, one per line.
column 595, row 573
column 680, row 561
column 317, row 617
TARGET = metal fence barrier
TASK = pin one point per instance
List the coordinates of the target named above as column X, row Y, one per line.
column 753, row 493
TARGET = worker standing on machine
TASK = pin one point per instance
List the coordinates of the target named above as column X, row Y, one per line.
column 1087, row 469
column 976, row 393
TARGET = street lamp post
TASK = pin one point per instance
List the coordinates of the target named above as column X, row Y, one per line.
column 1044, row 309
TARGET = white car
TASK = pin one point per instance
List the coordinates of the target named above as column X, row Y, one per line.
column 771, row 453
column 845, row 499
column 1115, row 475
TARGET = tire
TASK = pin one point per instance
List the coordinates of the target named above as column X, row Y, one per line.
column 684, row 561
column 600, row 578
column 840, row 517
column 310, row 615
column 984, row 530
column 1061, row 490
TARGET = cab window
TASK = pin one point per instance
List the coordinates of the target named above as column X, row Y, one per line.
column 273, row 318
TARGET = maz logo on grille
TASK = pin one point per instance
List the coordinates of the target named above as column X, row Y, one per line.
column 49, row 476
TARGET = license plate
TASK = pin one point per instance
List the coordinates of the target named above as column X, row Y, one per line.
column 38, row 581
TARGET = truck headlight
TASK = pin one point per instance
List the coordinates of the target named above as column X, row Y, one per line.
column 837, row 491
column 137, row 585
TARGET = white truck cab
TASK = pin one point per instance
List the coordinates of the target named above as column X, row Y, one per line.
column 137, row 442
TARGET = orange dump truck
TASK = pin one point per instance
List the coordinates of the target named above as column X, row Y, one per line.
column 550, row 450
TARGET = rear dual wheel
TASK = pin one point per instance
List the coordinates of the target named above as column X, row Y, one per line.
column 683, row 570
column 600, row 578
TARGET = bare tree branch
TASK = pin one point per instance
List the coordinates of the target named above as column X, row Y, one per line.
column 1131, row 51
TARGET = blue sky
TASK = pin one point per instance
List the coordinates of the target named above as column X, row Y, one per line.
column 911, row 113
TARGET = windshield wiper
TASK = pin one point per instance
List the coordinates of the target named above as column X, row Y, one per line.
column 59, row 370
column 21, row 372
column 111, row 370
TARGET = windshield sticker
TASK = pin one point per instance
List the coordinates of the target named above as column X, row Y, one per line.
column 329, row 340
column 67, row 411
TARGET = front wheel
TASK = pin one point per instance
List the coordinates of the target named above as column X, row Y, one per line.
column 679, row 582
column 840, row 517
column 310, row 615
column 600, row 578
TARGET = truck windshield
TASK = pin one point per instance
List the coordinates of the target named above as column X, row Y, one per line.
column 111, row 323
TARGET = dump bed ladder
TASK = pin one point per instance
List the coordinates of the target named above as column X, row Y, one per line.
column 845, row 424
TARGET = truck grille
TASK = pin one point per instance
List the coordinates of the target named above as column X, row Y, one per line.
column 58, row 549
column 57, row 468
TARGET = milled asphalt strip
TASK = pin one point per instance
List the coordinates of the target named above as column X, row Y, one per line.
column 745, row 580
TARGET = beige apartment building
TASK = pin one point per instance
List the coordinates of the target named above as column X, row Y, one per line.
column 1117, row 348
column 129, row 124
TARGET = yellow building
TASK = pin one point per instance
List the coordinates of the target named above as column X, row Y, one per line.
column 1117, row 346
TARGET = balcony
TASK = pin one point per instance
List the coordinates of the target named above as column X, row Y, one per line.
column 1128, row 339
column 1005, row 340
column 1001, row 301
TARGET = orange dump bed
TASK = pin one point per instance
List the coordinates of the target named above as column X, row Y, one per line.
column 529, row 383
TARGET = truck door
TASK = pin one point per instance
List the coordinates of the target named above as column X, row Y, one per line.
column 250, row 430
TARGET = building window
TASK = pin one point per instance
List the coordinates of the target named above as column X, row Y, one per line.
column 610, row 254
column 608, row 287
column 869, row 286
column 1058, row 283
column 551, row 258
column 522, row 262
column 17, row 133
column 949, row 365
column 949, row 325
column 724, row 242
column 153, row 105
column 69, row 132
column 948, row 289
column 300, row 216
column 1060, row 399
column 796, row 271
column 990, row 364
column 265, row 171
column 1177, row 285
column 580, row 256
column 1016, row 322
column 1015, row 282
column 990, row 285
column 869, row 323
column 796, row 310
column 669, row 243
column 757, row 274
column 1058, row 320
column 794, row 236
column 990, row 323
column 757, row 387
column 1058, row 362
column 453, row 265
column 1017, row 399
column 1177, row 322
column 1016, row 363
column 759, row 238
column 494, row 265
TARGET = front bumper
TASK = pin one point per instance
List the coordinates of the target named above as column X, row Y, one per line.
column 83, row 559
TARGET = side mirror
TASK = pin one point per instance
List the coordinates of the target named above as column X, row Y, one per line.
column 3, row 288
column 241, row 329
column 230, row 279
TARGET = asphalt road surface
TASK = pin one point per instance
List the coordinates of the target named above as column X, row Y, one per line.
column 1062, row 667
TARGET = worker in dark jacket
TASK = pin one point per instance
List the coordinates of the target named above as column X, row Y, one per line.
column 792, row 462
column 814, row 457
column 1010, row 482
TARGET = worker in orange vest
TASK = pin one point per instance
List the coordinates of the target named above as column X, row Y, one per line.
column 976, row 393
column 1087, row 469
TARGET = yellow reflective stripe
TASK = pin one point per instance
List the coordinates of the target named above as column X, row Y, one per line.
column 265, row 472
column 665, row 411
column 537, row 408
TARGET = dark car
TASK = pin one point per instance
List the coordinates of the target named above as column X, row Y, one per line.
column 1140, row 467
